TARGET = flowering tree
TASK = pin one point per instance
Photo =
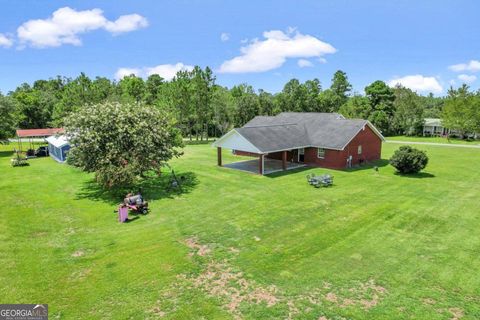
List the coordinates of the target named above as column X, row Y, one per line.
column 121, row 142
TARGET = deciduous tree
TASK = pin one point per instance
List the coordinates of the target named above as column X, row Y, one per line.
column 122, row 142
column 408, row 118
column 381, row 99
column 7, row 116
column 461, row 111
column 357, row 107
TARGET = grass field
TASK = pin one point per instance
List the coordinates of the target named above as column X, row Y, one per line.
column 238, row 245
column 434, row 140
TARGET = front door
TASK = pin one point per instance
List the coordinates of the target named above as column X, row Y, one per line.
column 301, row 155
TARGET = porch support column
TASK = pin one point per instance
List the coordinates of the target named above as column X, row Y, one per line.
column 260, row 164
column 284, row 160
column 219, row 156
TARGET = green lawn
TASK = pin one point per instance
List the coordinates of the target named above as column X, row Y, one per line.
column 238, row 245
column 434, row 140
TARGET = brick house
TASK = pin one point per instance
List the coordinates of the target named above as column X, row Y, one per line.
column 292, row 139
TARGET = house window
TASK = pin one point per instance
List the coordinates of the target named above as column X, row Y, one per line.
column 359, row 151
column 321, row 153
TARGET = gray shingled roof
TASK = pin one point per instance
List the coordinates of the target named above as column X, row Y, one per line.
column 276, row 137
column 291, row 130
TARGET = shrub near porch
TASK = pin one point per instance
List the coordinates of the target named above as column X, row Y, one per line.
column 373, row 246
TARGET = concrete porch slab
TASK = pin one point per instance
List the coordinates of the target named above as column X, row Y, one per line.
column 270, row 165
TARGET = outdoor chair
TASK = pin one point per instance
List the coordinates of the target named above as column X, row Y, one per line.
column 311, row 178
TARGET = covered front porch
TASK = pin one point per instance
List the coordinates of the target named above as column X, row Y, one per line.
column 265, row 160
column 269, row 166
column 261, row 163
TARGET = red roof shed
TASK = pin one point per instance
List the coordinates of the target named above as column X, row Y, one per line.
column 31, row 133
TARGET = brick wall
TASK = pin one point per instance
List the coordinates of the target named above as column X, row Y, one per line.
column 337, row 159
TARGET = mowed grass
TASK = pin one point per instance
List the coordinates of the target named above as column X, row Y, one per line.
column 434, row 140
column 376, row 245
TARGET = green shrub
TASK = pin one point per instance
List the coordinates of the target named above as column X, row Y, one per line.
column 409, row 160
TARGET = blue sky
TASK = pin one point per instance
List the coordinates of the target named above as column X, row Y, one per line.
column 426, row 45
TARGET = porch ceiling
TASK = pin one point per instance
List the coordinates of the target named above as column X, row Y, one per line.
column 270, row 166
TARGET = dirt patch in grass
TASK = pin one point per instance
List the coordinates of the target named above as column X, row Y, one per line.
column 331, row 297
column 39, row 234
column 80, row 274
column 364, row 295
column 198, row 249
column 235, row 292
column 158, row 312
column 220, row 281
column 428, row 301
column 233, row 250
column 78, row 253
column 456, row 313
column 70, row 231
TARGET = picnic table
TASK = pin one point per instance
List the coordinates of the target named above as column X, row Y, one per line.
column 324, row 180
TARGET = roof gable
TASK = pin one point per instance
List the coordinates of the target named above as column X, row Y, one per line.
column 58, row 141
column 235, row 141
column 292, row 130
column 333, row 134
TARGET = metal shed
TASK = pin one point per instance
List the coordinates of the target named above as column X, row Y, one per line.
column 58, row 147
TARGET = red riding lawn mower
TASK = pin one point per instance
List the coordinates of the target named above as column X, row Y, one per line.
column 136, row 203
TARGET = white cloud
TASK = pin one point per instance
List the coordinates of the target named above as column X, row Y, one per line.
column 66, row 24
column 5, row 41
column 303, row 63
column 166, row 71
column 124, row 72
column 272, row 52
column 418, row 83
column 467, row 78
column 472, row 66
column 225, row 36
column 126, row 23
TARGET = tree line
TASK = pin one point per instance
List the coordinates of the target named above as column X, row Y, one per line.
column 202, row 108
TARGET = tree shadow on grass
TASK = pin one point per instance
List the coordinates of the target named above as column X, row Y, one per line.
column 287, row 172
column 366, row 166
column 5, row 154
column 151, row 188
column 419, row 175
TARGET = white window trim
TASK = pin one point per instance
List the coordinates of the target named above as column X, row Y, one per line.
column 318, row 153
column 359, row 149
